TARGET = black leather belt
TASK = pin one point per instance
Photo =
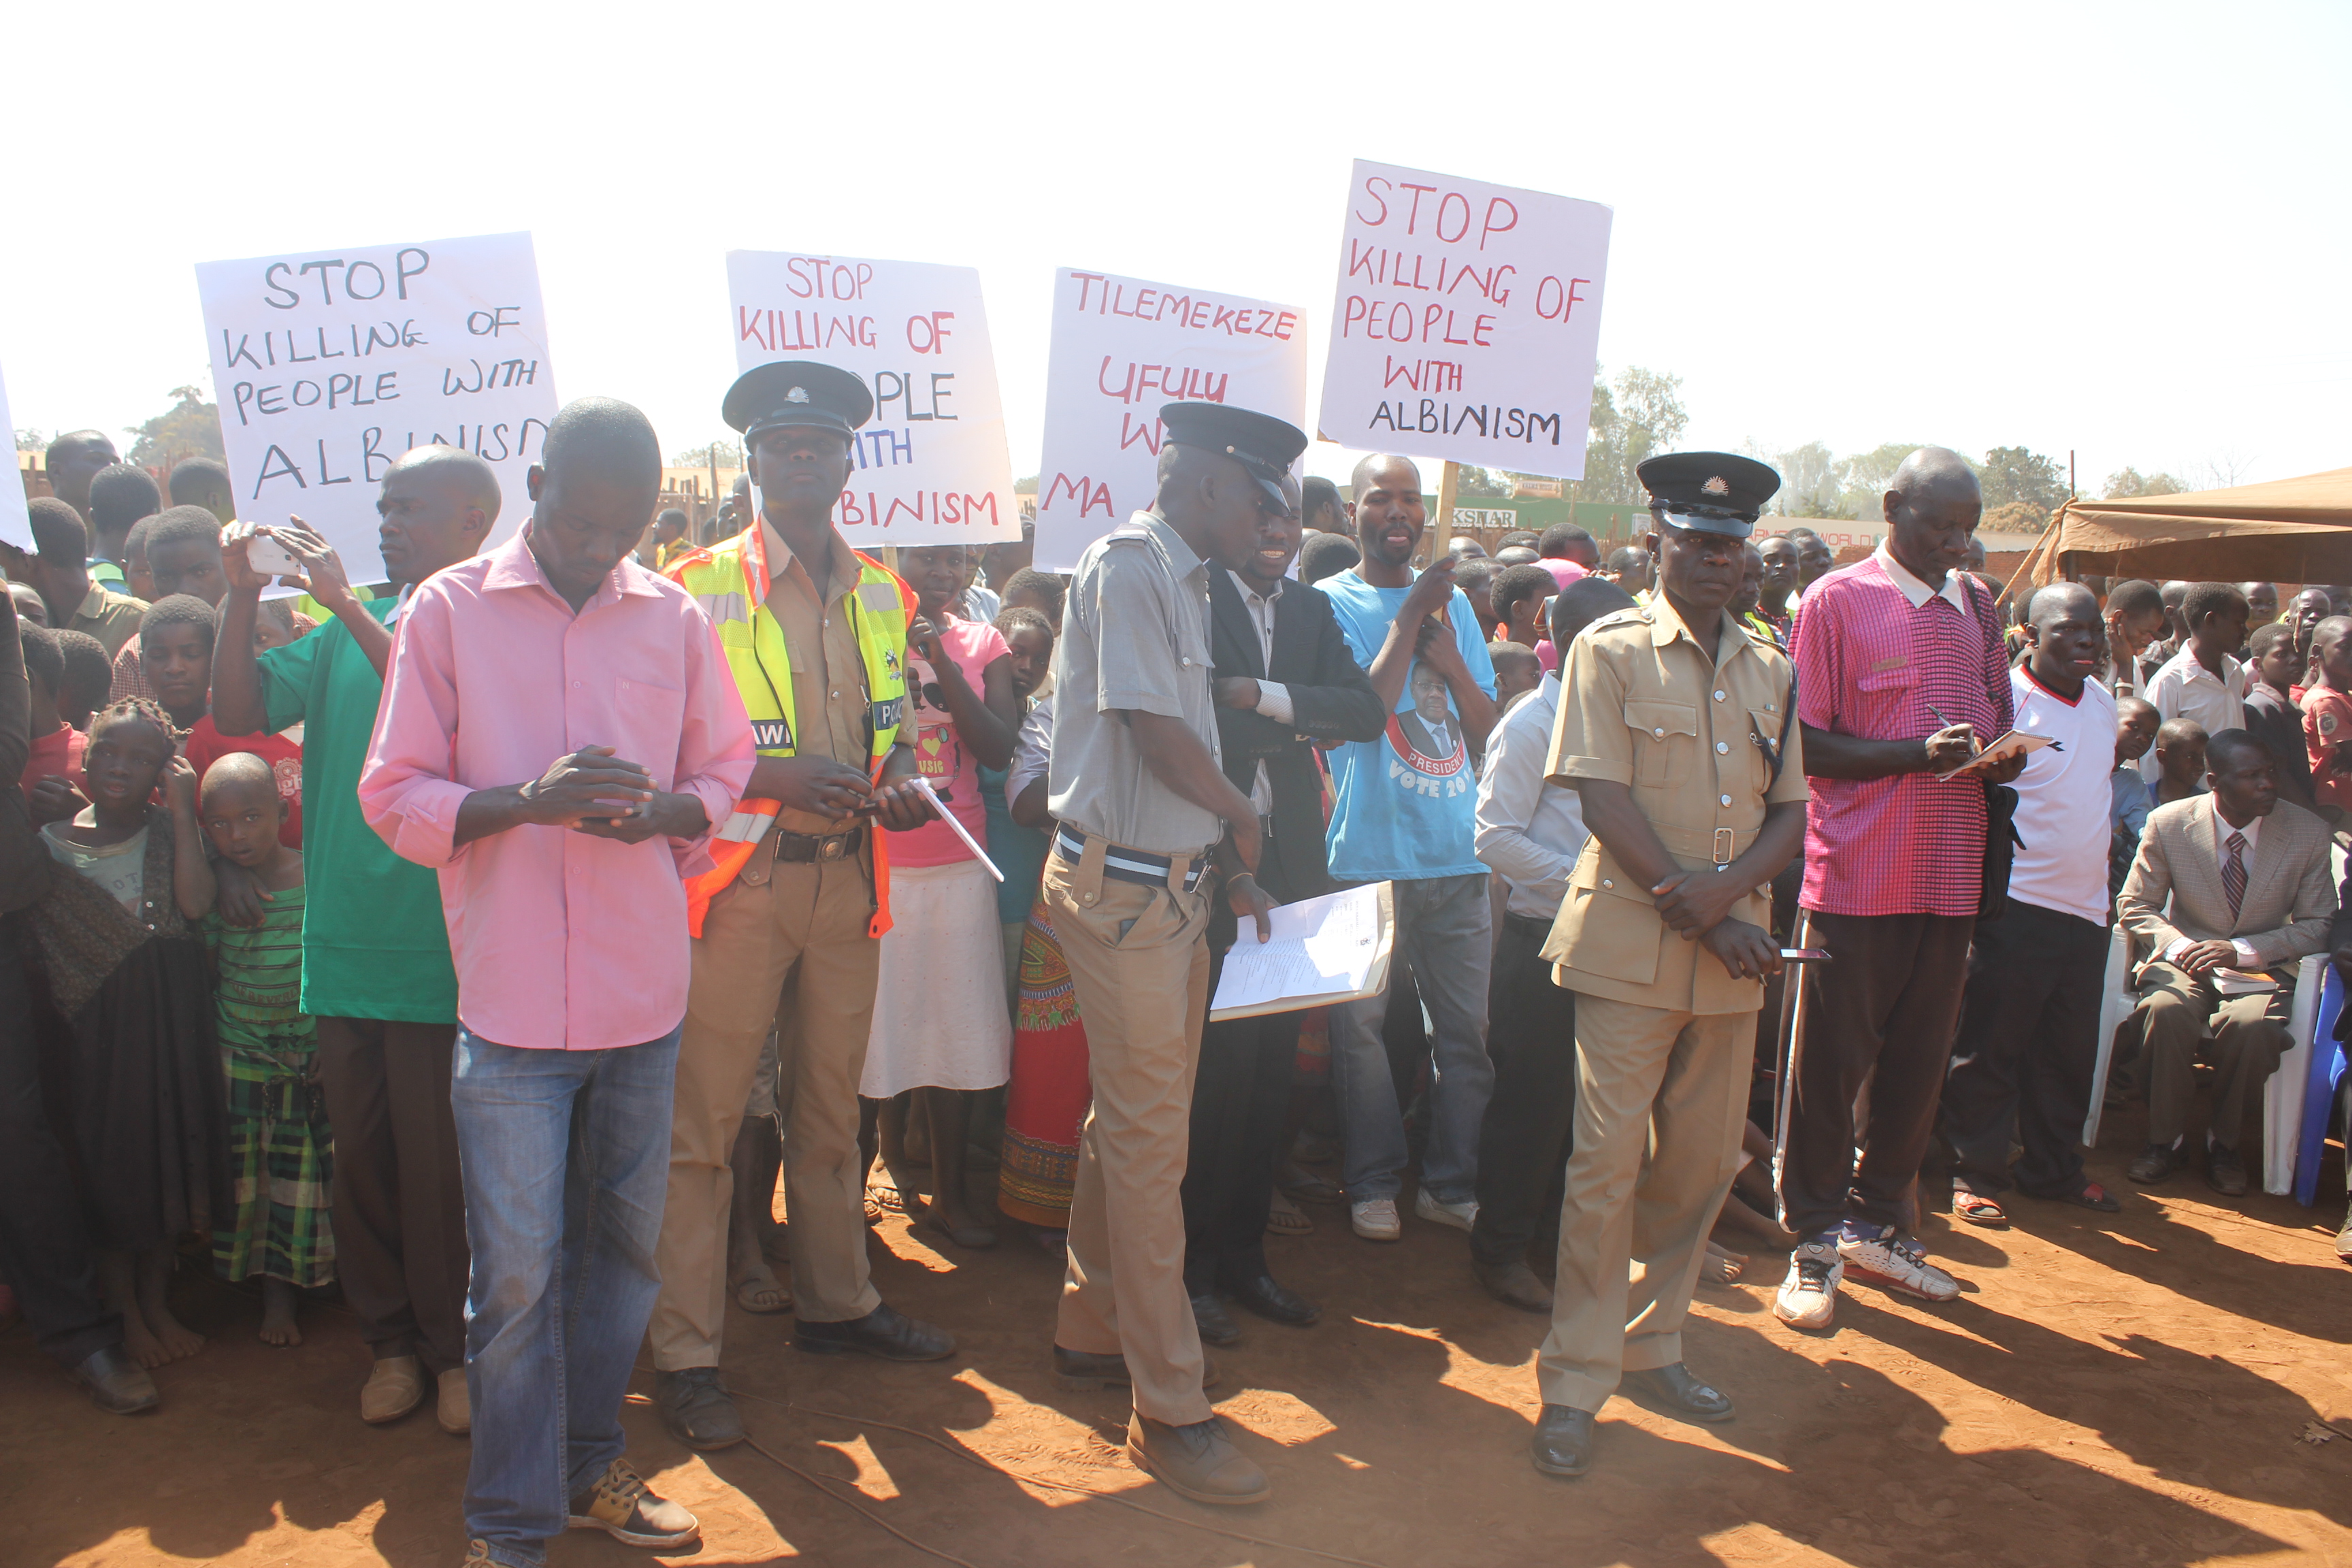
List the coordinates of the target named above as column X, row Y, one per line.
column 803, row 847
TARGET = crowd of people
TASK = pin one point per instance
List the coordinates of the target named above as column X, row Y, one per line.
column 493, row 940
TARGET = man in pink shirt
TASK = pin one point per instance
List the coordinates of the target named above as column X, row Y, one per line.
column 1901, row 676
column 557, row 738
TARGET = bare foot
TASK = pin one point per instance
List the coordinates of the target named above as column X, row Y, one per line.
column 278, row 1314
column 956, row 1223
column 138, row 1345
column 154, row 1289
column 758, row 1290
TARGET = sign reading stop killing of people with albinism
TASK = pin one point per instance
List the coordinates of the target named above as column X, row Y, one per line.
column 931, row 466
column 330, row 363
column 1123, row 348
column 1466, row 324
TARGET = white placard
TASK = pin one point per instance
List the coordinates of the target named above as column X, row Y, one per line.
column 1466, row 322
column 933, row 467
column 15, row 522
column 1122, row 348
column 329, row 364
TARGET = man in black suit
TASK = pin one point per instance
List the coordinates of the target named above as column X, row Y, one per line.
column 1284, row 679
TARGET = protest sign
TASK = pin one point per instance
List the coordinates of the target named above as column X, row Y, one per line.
column 1123, row 347
column 931, row 465
column 15, row 523
column 1466, row 322
column 330, row 363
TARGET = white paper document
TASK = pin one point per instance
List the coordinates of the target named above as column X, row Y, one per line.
column 1331, row 949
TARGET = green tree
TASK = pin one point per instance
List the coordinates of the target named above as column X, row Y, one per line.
column 2014, row 474
column 1469, row 480
column 1640, row 413
column 30, row 440
column 729, row 456
column 2130, row 482
column 189, row 428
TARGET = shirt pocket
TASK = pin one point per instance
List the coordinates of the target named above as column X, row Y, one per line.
column 651, row 712
column 1883, row 702
column 1764, row 727
column 1666, row 741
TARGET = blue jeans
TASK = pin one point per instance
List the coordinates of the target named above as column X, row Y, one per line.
column 565, row 1156
column 1444, row 932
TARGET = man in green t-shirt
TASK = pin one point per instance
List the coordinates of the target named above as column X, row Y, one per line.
column 376, row 973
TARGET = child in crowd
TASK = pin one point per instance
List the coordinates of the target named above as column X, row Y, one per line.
column 940, row 1027
column 52, row 777
column 126, row 968
column 2327, row 714
column 89, row 676
column 1018, row 852
column 2180, row 761
column 1475, row 577
column 175, row 652
column 1520, row 595
column 1030, row 589
column 2203, row 680
column 1516, row 672
column 2274, row 706
column 278, row 1138
column 2129, row 803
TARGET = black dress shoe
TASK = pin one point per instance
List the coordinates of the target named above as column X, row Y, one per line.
column 1086, row 1370
column 2224, row 1171
column 695, row 1409
column 1514, row 1285
column 1209, row 1317
column 1261, row 1295
column 1562, row 1444
column 1675, row 1391
column 117, row 1385
column 2155, row 1162
column 884, row 1332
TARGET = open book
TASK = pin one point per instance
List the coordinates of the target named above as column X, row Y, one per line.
column 2010, row 745
column 1326, row 949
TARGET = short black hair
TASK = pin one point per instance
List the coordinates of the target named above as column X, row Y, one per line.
column 1317, row 494
column 90, row 674
column 1019, row 618
column 2205, row 599
column 1526, row 536
column 1561, row 538
column 182, row 525
column 2222, row 745
column 135, row 541
column 1514, row 584
column 1029, row 580
column 1327, row 556
column 1580, row 604
column 44, row 661
column 2133, row 597
column 1626, row 559
column 58, row 532
column 195, row 478
column 120, row 495
column 1477, row 570
column 178, row 610
column 66, row 438
column 2268, row 635
column 602, row 438
column 1501, row 650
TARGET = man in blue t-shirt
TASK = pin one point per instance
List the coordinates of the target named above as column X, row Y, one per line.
column 1405, row 812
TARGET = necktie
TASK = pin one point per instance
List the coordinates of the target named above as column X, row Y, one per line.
column 2233, row 872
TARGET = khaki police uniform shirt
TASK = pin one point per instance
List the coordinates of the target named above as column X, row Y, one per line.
column 112, row 617
column 1643, row 704
column 829, row 696
column 1135, row 635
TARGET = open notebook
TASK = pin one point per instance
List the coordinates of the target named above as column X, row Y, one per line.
column 1326, row 949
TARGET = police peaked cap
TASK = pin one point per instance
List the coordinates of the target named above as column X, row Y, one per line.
column 797, row 394
column 1264, row 444
column 1708, row 492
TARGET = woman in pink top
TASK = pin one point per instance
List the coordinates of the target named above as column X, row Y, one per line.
column 940, row 1027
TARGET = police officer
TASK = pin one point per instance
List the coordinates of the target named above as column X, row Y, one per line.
column 1138, row 791
column 1676, row 727
column 815, row 638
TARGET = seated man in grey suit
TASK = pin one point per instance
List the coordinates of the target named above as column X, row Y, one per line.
column 2233, row 882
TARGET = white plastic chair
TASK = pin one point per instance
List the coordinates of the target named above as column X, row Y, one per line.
column 2283, row 1095
column 2117, row 1000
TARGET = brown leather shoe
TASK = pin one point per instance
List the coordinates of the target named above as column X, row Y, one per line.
column 453, row 1404
column 1086, row 1370
column 394, row 1387
column 1514, row 1285
column 1198, row 1461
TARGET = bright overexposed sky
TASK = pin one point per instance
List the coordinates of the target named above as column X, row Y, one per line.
column 2120, row 230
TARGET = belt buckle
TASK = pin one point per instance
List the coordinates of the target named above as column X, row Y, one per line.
column 833, row 847
column 1724, row 840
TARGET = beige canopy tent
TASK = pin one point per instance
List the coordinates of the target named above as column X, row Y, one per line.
column 2287, row 530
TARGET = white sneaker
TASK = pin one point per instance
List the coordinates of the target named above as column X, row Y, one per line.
column 1897, row 1263
column 1808, row 1296
column 1375, row 1219
column 1461, row 1215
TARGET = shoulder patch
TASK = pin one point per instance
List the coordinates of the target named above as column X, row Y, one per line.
column 2326, row 722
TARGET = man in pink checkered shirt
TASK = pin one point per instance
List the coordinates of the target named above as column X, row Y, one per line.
column 1901, row 675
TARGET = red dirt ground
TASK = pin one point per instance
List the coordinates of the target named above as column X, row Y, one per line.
column 2126, row 1390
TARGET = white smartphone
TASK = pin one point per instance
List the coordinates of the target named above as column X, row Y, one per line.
column 269, row 557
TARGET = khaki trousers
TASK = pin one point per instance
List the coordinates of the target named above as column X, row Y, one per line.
column 1660, row 1099
column 1139, row 956
column 2250, row 1034
column 780, row 921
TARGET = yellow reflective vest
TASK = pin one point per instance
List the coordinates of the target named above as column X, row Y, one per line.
column 729, row 580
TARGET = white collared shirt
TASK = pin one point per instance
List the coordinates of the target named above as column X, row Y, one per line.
column 400, row 605
column 2184, row 689
column 1530, row 831
column 1273, row 697
column 1918, row 592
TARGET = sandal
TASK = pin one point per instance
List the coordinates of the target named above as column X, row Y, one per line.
column 1309, row 1187
column 751, row 1289
column 1978, row 1209
column 1287, row 1219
